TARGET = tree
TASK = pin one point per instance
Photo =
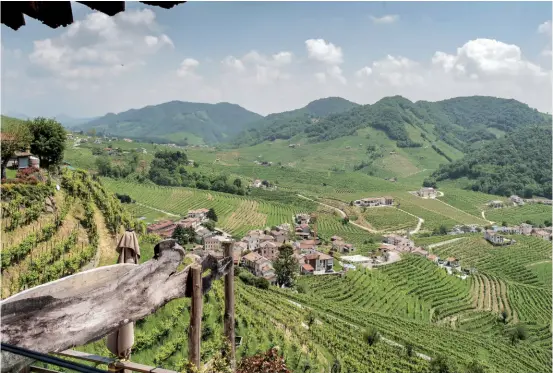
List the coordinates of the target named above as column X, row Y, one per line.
column 211, row 215
column 237, row 182
column 285, row 266
column 48, row 142
column 210, row 224
column 371, row 336
column 336, row 367
column 440, row 365
column 475, row 367
column 310, row 318
column 519, row 333
column 15, row 136
column 504, row 316
column 504, row 224
column 409, row 348
column 443, row 229
column 345, row 220
column 184, row 235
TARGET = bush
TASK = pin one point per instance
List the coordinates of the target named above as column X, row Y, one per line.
column 371, row 336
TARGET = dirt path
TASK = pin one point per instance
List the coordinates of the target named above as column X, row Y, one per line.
column 445, row 242
column 419, row 224
column 342, row 214
column 153, row 208
column 484, row 217
column 106, row 253
column 455, row 208
column 382, row 338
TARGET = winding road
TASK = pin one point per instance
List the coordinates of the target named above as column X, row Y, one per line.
column 343, row 214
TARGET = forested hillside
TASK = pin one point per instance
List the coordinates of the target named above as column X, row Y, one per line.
column 177, row 121
column 457, row 122
column 288, row 124
column 519, row 163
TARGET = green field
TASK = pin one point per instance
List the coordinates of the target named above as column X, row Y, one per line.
column 536, row 213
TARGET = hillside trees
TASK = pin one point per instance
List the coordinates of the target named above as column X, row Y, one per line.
column 286, row 266
column 15, row 137
column 519, row 163
column 48, row 141
column 169, row 168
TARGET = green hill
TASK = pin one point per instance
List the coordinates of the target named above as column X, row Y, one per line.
column 287, row 124
column 177, row 121
column 519, row 163
column 457, row 121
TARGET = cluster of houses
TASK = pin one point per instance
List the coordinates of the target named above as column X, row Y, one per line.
column 518, row 201
column 495, row 237
column 194, row 219
column 373, row 202
column 461, row 229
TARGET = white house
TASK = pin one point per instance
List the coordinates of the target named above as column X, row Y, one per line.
column 200, row 214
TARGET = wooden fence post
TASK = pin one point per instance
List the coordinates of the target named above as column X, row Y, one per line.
column 229, row 304
column 195, row 328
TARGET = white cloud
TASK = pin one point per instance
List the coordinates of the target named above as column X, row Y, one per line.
column 386, row 19
column 187, row 68
column 488, row 59
column 261, row 69
column 545, row 28
column 320, row 50
column 100, row 46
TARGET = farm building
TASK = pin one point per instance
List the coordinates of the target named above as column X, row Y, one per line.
column 517, row 200
column 400, row 243
column 542, row 234
column 376, row 201
column 321, row 263
column 427, row 193
column 22, row 160
column 199, row 214
column 342, row 247
column 496, row 204
column 357, row 259
column 495, row 238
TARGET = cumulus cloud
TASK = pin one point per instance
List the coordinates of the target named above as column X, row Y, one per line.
column 386, row 19
column 322, row 51
column 487, row 59
column 100, row 46
column 262, row 69
column 545, row 29
column 187, row 68
column 329, row 55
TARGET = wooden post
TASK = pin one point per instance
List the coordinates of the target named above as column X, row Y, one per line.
column 229, row 303
column 195, row 328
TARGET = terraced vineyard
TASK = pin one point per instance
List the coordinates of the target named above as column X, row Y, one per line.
column 58, row 243
column 471, row 202
column 389, row 219
column 536, row 213
column 237, row 214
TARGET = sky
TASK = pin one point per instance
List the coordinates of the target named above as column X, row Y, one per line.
column 275, row 56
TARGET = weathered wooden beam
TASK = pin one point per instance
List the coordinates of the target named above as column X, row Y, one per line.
column 85, row 307
column 229, row 304
column 195, row 327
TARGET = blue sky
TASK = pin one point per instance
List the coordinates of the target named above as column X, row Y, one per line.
column 271, row 56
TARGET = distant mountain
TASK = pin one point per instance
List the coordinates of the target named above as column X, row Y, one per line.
column 177, row 121
column 458, row 122
column 16, row 115
column 287, row 124
column 519, row 163
column 72, row 122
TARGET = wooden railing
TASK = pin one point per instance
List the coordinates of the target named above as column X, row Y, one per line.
column 194, row 330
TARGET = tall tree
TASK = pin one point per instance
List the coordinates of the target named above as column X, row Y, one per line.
column 211, row 215
column 15, row 137
column 48, row 141
column 286, row 266
column 183, row 235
